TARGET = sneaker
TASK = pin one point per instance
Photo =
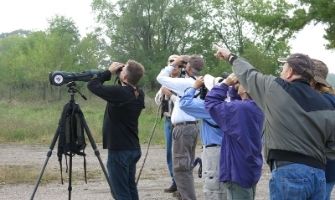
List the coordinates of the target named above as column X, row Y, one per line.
column 171, row 189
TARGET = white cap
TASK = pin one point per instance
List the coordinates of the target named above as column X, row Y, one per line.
column 210, row 81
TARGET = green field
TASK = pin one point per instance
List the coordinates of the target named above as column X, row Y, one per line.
column 35, row 122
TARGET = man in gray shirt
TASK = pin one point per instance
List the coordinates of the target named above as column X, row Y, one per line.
column 299, row 124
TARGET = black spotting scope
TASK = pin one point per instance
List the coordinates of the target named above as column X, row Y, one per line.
column 59, row 78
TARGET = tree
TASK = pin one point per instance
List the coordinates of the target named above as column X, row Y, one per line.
column 28, row 57
column 92, row 51
column 239, row 25
column 319, row 11
column 63, row 38
column 148, row 31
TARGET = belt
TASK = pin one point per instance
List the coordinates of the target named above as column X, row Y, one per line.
column 185, row 123
column 212, row 145
column 277, row 164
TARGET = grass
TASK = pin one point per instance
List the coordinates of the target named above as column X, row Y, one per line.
column 18, row 174
column 35, row 122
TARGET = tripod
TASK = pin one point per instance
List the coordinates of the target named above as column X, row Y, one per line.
column 72, row 105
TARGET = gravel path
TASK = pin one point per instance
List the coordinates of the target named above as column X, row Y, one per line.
column 153, row 180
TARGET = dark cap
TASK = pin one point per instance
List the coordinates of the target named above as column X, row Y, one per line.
column 320, row 72
column 302, row 64
column 196, row 62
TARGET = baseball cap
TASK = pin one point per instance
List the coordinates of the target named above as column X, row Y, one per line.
column 320, row 72
column 301, row 63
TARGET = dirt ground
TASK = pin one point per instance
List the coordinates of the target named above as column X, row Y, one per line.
column 153, row 180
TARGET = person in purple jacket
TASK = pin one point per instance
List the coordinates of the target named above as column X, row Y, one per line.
column 242, row 121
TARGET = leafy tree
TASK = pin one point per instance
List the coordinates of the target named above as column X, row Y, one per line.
column 319, row 11
column 63, row 38
column 27, row 57
column 148, row 31
column 92, row 52
column 239, row 26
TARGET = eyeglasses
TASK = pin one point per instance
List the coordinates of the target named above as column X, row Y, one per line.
column 171, row 61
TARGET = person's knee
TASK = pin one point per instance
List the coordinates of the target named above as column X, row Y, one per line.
column 182, row 163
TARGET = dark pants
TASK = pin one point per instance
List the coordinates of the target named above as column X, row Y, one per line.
column 122, row 170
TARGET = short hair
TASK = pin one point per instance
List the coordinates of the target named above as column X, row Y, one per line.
column 135, row 71
column 172, row 58
column 196, row 62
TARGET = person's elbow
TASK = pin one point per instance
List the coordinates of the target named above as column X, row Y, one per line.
column 159, row 78
column 184, row 104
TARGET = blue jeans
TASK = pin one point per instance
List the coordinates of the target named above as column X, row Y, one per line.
column 329, row 188
column 298, row 182
column 121, row 167
column 168, row 144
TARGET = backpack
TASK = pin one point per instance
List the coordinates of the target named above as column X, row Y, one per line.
column 71, row 135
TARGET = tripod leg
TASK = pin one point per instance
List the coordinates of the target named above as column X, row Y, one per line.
column 52, row 145
column 70, row 177
column 96, row 152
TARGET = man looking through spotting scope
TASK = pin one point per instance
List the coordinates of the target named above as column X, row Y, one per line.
column 185, row 128
column 120, row 126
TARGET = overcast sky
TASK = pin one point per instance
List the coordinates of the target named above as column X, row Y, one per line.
column 34, row 15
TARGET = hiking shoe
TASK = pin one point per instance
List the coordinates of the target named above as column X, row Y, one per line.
column 171, row 189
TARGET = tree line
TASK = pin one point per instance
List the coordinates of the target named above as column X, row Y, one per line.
column 149, row 31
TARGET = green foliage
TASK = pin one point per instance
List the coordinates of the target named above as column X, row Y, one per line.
column 92, row 52
column 36, row 122
column 149, row 31
column 243, row 26
column 318, row 11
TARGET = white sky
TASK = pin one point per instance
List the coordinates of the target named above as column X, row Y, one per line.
column 34, row 15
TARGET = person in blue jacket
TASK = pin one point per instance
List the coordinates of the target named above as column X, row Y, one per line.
column 241, row 151
column 211, row 138
column 320, row 83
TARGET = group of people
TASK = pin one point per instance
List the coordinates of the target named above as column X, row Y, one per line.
column 230, row 126
column 245, row 117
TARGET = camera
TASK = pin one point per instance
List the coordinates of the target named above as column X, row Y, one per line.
column 203, row 92
column 59, row 78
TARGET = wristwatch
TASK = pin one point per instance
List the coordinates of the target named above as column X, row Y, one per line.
column 231, row 58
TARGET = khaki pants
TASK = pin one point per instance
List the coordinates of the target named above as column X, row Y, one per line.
column 184, row 143
column 213, row 188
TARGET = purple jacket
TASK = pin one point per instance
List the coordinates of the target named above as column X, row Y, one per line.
column 241, row 121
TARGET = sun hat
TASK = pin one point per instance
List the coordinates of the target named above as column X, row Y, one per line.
column 320, row 72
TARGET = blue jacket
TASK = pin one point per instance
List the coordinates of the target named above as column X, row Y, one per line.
column 241, row 152
column 330, row 166
column 210, row 132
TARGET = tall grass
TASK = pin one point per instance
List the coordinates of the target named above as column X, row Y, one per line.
column 35, row 122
